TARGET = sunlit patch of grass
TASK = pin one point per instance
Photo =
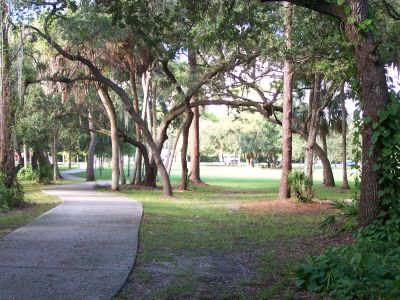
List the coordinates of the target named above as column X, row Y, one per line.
column 36, row 203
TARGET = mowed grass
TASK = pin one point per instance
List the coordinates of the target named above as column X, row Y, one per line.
column 215, row 223
column 36, row 203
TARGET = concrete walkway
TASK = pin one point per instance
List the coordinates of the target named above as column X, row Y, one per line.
column 84, row 248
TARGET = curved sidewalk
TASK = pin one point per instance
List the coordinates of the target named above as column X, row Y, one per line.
column 84, row 248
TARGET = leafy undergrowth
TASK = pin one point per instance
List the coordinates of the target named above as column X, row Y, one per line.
column 223, row 243
column 36, row 203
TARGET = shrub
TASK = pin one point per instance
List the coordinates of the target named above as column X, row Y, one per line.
column 301, row 185
column 27, row 174
column 369, row 269
column 10, row 197
column 45, row 173
column 349, row 210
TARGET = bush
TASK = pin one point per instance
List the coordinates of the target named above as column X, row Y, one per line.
column 10, row 197
column 369, row 269
column 301, row 185
column 45, row 173
column 27, row 174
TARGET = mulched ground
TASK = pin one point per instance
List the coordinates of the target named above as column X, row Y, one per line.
column 288, row 206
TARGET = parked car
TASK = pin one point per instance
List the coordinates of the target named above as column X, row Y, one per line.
column 350, row 163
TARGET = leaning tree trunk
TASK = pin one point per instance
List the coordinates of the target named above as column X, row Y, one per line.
column 7, row 165
column 112, row 116
column 345, row 184
column 326, row 164
column 284, row 188
column 185, row 134
column 194, row 128
column 176, row 140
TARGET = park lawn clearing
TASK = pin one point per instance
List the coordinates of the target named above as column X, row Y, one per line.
column 36, row 203
column 229, row 240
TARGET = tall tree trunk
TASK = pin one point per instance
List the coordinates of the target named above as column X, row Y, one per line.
column 145, row 115
column 56, row 170
column 326, row 164
column 312, row 126
column 121, row 166
column 176, row 140
column 112, row 116
column 185, row 134
column 26, row 155
column 154, row 108
column 90, row 174
column 284, row 188
column 169, row 149
column 138, row 163
column 7, row 165
column 374, row 97
column 322, row 135
column 194, row 135
column 70, row 157
column 345, row 184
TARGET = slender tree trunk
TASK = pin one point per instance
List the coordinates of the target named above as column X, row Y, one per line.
column 121, row 166
column 7, row 165
column 312, row 125
column 284, row 188
column 169, row 150
column 26, row 155
column 322, row 135
column 345, row 184
column 69, row 158
column 135, row 173
column 56, row 170
column 154, row 108
column 194, row 128
column 177, row 136
column 90, row 174
column 145, row 115
column 106, row 100
column 185, row 134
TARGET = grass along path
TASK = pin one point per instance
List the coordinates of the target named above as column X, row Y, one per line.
column 229, row 240
column 36, row 203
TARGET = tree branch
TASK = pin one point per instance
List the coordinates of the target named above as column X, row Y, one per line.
column 321, row 6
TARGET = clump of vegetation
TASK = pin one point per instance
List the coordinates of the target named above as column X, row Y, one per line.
column 369, row 269
column 28, row 174
column 10, row 196
column 301, row 184
column 44, row 174
column 349, row 211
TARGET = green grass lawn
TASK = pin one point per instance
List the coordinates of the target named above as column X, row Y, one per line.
column 225, row 240
column 36, row 203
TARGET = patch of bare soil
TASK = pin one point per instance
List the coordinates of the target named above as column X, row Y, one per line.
column 216, row 275
column 212, row 275
column 288, row 206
